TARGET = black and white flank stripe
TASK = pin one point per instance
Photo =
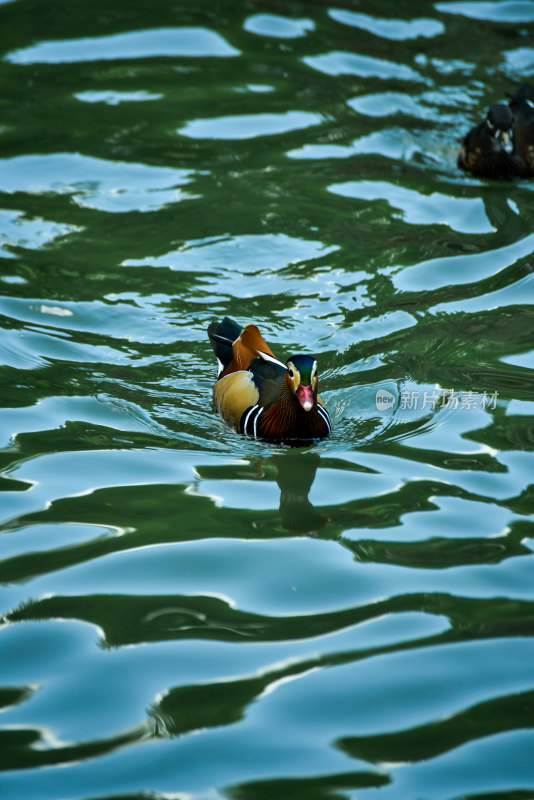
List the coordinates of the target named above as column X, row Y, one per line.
column 324, row 414
column 249, row 420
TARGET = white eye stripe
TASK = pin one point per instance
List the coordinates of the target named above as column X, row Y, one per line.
column 292, row 371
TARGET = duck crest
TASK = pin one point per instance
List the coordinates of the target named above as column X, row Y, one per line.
column 259, row 395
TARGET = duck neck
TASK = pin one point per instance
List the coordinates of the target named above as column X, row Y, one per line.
column 286, row 418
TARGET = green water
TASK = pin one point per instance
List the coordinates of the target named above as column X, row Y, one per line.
column 190, row 614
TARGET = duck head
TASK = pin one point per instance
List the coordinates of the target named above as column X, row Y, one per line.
column 499, row 122
column 301, row 377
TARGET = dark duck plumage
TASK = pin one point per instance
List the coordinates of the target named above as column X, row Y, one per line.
column 502, row 147
column 522, row 106
column 523, row 92
column 487, row 150
column 258, row 395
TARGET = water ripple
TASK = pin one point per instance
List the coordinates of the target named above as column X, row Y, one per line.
column 344, row 63
column 188, row 42
column 189, row 612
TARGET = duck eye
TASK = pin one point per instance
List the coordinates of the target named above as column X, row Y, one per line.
column 290, row 373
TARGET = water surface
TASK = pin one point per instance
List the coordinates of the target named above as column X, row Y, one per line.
column 186, row 613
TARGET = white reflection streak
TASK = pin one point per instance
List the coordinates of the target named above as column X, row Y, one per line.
column 218, row 501
column 271, row 687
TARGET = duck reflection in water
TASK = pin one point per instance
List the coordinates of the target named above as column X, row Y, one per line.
column 295, row 476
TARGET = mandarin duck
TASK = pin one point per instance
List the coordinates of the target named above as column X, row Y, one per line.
column 258, row 395
column 487, row 150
